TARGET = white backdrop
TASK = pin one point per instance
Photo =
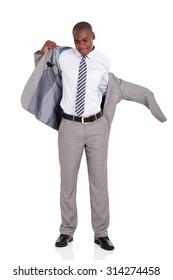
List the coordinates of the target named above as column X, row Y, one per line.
column 137, row 37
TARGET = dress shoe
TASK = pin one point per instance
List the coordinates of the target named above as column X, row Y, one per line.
column 104, row 243
column 63, row 240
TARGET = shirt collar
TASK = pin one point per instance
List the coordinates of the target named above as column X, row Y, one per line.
column 90, row 55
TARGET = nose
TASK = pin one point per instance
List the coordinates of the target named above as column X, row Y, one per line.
column 81, row 45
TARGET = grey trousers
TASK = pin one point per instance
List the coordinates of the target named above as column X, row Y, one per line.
column 73, row 139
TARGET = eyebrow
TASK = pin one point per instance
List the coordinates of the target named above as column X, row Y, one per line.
column 76, row 40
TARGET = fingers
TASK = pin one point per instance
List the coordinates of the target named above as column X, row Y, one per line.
column 48, row 45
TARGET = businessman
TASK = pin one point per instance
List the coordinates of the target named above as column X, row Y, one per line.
column 83, row 129
column 72, row 90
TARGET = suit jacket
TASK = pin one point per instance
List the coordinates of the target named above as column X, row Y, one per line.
column 43, row 92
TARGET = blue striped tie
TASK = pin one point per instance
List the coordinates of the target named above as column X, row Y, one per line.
column 81, row 87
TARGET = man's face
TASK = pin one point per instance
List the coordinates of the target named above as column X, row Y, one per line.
column 83, row 40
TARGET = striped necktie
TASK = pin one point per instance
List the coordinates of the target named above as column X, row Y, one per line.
column 81, row 87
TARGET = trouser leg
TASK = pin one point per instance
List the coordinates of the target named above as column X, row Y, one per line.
column 97, row 136
column 71, row 145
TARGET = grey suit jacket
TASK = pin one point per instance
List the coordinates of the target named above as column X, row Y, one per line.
column 43, row 92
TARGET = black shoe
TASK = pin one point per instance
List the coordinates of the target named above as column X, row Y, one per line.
column 63, row 240
column 104, row 242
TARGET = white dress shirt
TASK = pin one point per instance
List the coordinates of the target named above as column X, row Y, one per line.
column 96, row 84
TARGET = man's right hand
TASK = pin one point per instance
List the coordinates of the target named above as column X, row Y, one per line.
column 48, row 45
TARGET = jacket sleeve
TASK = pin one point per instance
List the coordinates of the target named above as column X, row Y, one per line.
column 142, row 95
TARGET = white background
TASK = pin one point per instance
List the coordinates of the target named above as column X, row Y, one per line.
column 137, row 37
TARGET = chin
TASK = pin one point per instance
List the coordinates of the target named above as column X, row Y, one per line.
column 83, row 53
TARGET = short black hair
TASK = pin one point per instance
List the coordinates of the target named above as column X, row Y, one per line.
column 81, row 25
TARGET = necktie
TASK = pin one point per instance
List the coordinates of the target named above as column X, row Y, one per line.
column 81, row 87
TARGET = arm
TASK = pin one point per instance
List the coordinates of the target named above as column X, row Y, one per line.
column 142, row 95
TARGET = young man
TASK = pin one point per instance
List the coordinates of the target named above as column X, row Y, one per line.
column 83, row 128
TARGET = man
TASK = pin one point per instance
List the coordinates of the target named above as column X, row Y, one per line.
column 83, row 128
column 66, row 91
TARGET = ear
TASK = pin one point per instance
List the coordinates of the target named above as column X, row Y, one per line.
column 93, row 36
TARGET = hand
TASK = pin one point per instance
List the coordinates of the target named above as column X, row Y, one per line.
column 48, row 45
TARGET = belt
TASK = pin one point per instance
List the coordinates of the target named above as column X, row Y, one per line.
column 83, row 120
